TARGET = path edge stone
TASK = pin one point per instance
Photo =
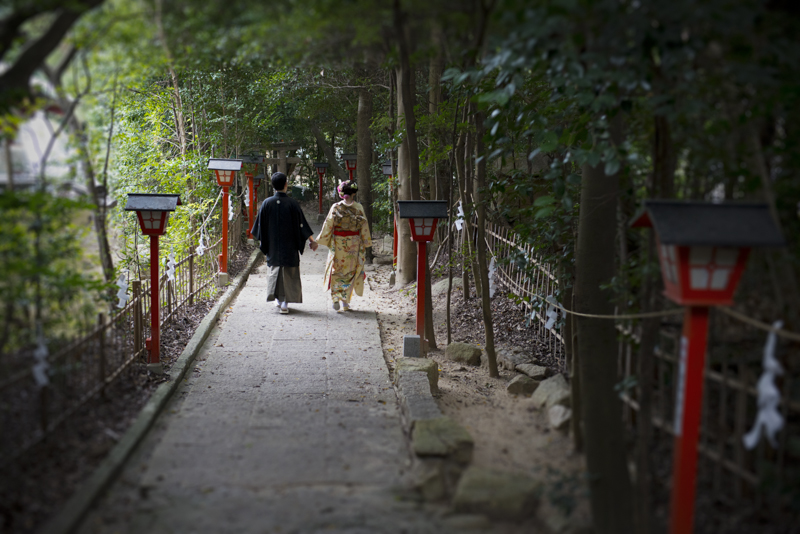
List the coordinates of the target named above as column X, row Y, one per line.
column 69, row 518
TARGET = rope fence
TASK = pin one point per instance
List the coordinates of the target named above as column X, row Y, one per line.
column 732, row 474
column 82, row 370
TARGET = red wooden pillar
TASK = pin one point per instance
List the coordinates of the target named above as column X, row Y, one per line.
column 223, row 257
column 422, row 262
column 688, row 407
column 153, row 342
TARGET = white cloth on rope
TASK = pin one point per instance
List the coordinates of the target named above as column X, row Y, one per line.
column 169, row 262
column 201, row 248
column 769, row 396
column 460, row 220
column 122, row 294
column 552, row 312
column 247, row 197
column 41, row 368
column 230, row 207
column 492, row 277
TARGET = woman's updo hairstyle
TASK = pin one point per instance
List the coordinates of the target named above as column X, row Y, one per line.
column 348, row 187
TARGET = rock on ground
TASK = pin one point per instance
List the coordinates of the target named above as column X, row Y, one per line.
column 537, row 372
column 463, row 353
column 510, row 358
column 496, row 494
column 522, row 385
column 440, row 287
column 559, row 416
column 382, row 260
column 552, row 391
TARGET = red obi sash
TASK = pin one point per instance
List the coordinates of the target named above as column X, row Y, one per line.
column 344, row 233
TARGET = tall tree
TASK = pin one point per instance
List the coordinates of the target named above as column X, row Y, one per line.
column 609, row 482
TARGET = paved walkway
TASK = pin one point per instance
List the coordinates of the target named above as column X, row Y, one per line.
column 288, row 424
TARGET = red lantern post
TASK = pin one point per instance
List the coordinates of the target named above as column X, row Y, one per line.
column 225, row 170
column 703, row 250
column 424, row 215
column 321, row 168
column 152, row 210
column 350, row 161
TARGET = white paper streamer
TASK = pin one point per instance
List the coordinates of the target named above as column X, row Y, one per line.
column 492, row 275
column 122, row 294
column 247, row 198
column 169, row 261
column 230, row 207
column 769, row 396
column 41, row 367
column 201, row 248
column 552, row 313
column 460, row 221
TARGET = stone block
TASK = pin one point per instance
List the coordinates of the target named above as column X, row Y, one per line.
column 537, row 372
column 382, row 260
column 559, row 416
column 552, row 391
column 414, row 392
column 442, row 437
column 412, row 347
column 522, row 385
column 463, row 353
column 420, row 365
column 499, row 495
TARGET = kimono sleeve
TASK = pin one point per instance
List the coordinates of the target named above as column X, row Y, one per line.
column 366, row 237
column 326, row 234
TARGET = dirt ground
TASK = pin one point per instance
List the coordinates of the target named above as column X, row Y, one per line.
column 510, row 435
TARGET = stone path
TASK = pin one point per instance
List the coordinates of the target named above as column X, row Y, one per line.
column 287, row 424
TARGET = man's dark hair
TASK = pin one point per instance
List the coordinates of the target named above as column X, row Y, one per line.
column 279, row 181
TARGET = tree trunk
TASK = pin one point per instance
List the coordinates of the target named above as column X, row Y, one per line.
column 609, row 481
column 434, row 99
column 406, row 249
column 407, row 165
column 364, row 162
column 483, row 260
column 407, row 90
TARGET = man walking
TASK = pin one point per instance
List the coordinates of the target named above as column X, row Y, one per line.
column 283, row 230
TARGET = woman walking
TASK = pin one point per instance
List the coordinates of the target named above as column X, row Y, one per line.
column 346, row 234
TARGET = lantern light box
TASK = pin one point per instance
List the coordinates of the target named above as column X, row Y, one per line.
column 424, row 215
column 703, row 248
column 225, row 169
column 350, row 160
column 152, row 209
column 386, row 167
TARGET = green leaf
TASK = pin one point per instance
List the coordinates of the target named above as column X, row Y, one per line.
column 612, row 167
column 544, row 201
column 544, row 212
column 549, row 142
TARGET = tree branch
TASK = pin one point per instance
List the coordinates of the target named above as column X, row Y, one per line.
column 16, row 80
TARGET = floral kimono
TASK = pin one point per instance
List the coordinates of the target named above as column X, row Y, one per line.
column 346, row 234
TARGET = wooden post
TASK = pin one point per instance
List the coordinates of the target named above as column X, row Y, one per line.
column 137, row 316
column 101, row 343
column 191, row 279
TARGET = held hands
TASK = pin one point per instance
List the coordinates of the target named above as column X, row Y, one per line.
column 313, row 245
